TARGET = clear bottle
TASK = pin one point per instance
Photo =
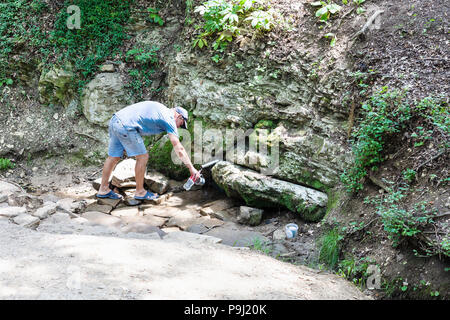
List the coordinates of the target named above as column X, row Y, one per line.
column 189, row 183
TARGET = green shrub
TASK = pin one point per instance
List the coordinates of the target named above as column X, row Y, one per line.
column 409, row 175
column 224, row 19
column 19, row 27
column 100, row 36
column 143, row 62
column 355, row 270
column 325, row 10
column 154, row 16
column 437, row 111
column 6, row 164
column 330, row 248
column 383, row 114
column 398, row 221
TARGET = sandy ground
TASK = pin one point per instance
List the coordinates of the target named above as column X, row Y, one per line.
column 39, row 265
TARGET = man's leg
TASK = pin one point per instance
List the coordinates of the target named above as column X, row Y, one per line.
column 108, row 167
column 140, row 170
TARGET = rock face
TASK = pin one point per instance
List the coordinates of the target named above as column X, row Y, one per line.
column 305, row 116
column 103, row 96
column 261, row 191
column 54, row 86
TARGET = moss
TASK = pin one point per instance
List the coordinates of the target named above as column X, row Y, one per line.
column 160, row 157
column 309, row 213
column 266, row 124
column 333, row 200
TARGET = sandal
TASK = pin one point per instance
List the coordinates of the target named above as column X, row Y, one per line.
column 110, row 195
column 148, row 196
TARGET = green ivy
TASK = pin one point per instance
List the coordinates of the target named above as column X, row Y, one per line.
column 19, row 27
column 382, row 115
column 224, row 19
column 100, row 36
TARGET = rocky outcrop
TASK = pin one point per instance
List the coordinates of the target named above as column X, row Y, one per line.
column 304, row 115
column 261, row 191
column 103, row 96
column 54, row 86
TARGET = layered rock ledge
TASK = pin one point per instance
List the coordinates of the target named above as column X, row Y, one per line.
column 262, row 191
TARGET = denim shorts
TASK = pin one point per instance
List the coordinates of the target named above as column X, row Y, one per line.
column 124, row 138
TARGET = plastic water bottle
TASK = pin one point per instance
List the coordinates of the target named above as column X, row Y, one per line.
column 189, row 183
column 199, row 182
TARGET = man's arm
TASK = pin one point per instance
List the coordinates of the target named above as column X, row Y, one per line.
column 182, row 154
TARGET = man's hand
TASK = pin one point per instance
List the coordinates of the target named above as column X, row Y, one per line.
column 195, row 173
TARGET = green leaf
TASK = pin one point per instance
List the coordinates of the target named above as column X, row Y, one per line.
column 318, row 3
column 9, row 81
column 321, row 11
column 333, row 8
column 333, row 42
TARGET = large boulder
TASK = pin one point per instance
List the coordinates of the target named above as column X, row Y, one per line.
column 102, row 97
column 261, row 191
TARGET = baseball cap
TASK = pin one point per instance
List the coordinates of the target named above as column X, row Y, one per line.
column 184, row 114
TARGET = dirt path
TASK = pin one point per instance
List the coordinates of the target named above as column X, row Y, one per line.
column 39, row 265
column 73, row 258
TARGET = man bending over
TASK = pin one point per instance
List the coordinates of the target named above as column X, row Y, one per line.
column 126, row 129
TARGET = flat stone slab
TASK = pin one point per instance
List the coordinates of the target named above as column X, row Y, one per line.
column 149, row 220
column 157, row 182
column 139, row 227
column 197, row 228
column 69, row 205
column 125, row 212
column 171, row 229
column 105, row 208
column 160, row 211
column 45, row 211
column 110, row 202
column 26, row 220
column 11, row 212
column 160, row 200
column 191, row 237
column 123, row 172
column 100, row 218
column 184, row 219
column 236, row 238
